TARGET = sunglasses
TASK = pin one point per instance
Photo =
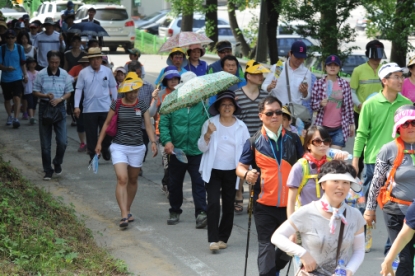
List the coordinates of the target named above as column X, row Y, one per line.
column 318, row 142
column 271, row 113
column 407, row 123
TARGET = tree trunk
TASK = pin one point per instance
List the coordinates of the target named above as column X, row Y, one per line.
column 328, row 31
column 237, row 33
column 262, row 41
column 212, row 22
column 187, row 16
column 272, row 25
column 400, row 47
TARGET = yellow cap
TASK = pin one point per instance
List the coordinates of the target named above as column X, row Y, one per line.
column 250, row 63
column 131, row 82
column 257, row 69
column 178, row 49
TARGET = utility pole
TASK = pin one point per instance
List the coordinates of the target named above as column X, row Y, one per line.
column 262, row 42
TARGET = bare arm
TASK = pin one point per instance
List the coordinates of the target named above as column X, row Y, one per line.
column 292, row 194
column 107, row 122
column 150, row 133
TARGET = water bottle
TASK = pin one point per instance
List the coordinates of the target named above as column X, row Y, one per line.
column 332, row 152
column 368, row 239
column 340, row 269
column 299, row 124
column 395, row 264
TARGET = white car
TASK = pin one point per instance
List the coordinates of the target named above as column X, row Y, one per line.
column 15, row 12
column 116, row 20
column 53, row 10
column 172, row 26
column 225, row 33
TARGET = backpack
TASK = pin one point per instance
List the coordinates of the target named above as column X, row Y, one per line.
column 19, row 49
column 385, row 192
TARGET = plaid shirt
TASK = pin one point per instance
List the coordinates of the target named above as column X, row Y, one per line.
column 319, row 93
column 144, row 94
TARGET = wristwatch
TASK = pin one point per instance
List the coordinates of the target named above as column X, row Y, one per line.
column 62, row 99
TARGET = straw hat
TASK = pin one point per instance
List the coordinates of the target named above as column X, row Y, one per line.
column 131, row 82
column 94, row 52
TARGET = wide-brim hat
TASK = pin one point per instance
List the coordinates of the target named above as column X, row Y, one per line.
column 401, row 117
column 94, row 52
column 131, row 82
column 170, row 72
column 83, row 59
column 177, row 50
column 354, row 185
column 227, row 94
column 196, row 46
column 49, row 21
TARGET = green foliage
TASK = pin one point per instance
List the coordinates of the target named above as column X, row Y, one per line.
column 325, row 21
column 40, row 235
column 185, row 6
column 251, row 32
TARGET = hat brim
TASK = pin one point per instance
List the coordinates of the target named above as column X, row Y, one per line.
column 356, row 187
column 130, row 86
column 213, row 111
column 300, row 55
column 95, row 55
column 401, row 121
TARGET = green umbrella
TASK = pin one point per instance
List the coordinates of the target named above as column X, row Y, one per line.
column 197, row 90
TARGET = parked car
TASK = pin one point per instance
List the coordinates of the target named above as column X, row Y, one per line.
column 153, row 27
column 115, row 20
column 352, row 61
column 14, row 12
column 52, row 9
column 172, row 26
column 152, row 18
column 225, row 33
column 361, row 23
column 284, row 43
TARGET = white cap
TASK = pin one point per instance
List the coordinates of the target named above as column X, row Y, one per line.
column 343, row 176
column 388, row 68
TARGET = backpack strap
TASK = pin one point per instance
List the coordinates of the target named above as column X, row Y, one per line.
column 306, row 177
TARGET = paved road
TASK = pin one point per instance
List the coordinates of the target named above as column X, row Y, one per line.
column 149, row 246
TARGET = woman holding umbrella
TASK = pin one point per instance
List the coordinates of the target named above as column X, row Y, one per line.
column 127, row 148
column 221, row 142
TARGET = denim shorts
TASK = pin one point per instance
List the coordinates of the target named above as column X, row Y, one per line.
column 337, row 138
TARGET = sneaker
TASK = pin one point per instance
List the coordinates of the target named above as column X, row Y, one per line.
column 214, row 247
column 82, row 147
column 16, row 123
column 222, row 245
column 58, row 169
column 25, row 116
column 48, row 176
column 173, row 219
column 9, row 121
column 32, row 121
column 201, row 220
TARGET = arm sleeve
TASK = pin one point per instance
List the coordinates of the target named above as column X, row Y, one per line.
column 79, row 88
column 201, row 143
column 268, row 78
column 315, row 96
column 358, row 253
column 295, row 176
column 164, row 128
column 113, row 86
column 247, row 156
column 355, row 100
column 378, row 180
column 280, row 239
column 362, row 133
column 68, row 84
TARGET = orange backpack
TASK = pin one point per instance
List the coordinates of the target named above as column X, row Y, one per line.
column 385, row 192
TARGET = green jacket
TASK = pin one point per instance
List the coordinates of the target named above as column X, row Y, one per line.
column 183, row 128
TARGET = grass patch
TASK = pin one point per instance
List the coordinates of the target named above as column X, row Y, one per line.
column 39, row 235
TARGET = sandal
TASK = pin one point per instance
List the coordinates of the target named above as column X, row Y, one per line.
column 238, row 207
column 124, row 223
column 130, row 219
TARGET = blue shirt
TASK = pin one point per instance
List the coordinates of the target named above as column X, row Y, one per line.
column 12, row 58
column 199, row 70
column 58, row 84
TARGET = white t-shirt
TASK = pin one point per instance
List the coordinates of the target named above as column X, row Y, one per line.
column 225, row 153
column 316, row 237
column 28, row 87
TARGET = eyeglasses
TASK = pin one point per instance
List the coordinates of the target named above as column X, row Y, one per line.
column 407, row 123
column 318, row 142
column 271, row 113
column 399, row 78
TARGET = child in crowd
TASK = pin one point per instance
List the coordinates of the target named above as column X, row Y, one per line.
column 28, row 98
column 119, row 74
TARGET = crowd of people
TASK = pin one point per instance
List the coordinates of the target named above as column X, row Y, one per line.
column 248, row 133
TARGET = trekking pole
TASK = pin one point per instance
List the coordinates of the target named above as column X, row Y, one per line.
column 289, row 265
column 251, row 206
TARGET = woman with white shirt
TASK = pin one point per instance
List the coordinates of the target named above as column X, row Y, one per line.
column 221, row 141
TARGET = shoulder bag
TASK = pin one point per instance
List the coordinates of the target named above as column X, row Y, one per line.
column 297, row 110
column 112, row 128
column 51, row 115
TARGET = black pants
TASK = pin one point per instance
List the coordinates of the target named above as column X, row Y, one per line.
column 93, row 124
column 225, row 181
column 267, row 220
column 394, row 224
column 361, row 158
column 146, row 140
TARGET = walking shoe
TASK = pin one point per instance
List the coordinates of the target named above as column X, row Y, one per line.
column 222, row 245
column 82, row 147
column 48, row 176
column 201, row 220
column 58, row 169
column 9, row 120
column 214, row 247
column 32, row 121
column 106, row 154
column 173, row 219
column 16, row 123
column 25, row 116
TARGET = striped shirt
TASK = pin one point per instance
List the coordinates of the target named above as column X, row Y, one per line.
column 144, row 94
column 130, row 117
column 45, row 43
column 249, row 109
column 58, row 84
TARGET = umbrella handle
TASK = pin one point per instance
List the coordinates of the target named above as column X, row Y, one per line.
column 207, row 113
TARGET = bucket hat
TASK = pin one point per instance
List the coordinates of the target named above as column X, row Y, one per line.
column 227, row 94
column 94, row 52
column 131, row 82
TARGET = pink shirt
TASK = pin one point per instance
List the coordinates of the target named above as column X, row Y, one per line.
column 333, row 110
column 408, row 89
